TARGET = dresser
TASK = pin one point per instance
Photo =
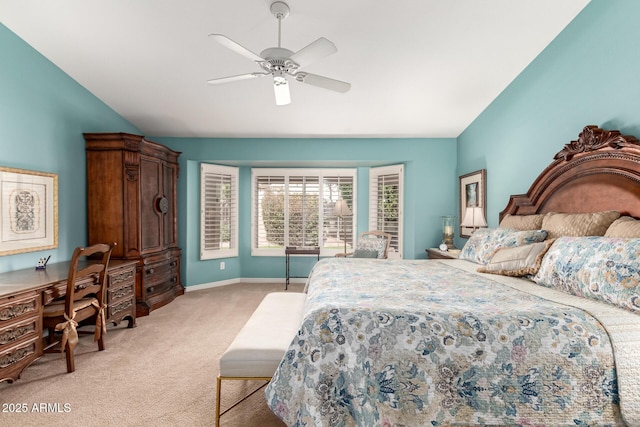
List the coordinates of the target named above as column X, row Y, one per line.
column 132, row 200
column 23, row 293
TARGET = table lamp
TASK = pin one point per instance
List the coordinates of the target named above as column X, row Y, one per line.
column 474, row 218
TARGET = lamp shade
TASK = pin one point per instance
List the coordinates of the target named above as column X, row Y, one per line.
column 281, row 88
column 341, row 208
column 474, row 217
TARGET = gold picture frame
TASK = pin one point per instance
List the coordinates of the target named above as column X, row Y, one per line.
column 473, row 188
column 28, row 211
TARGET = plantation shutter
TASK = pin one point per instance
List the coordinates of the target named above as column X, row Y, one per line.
column 218, row 211
column 337, row 230
column 269, row 212
column 294, row 207
column 303, row 211
column 386, row 204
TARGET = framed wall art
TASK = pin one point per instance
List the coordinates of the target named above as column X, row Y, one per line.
column 28, row 211
column 472, row 195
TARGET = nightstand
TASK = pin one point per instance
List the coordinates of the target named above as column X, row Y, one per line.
column 435, row 253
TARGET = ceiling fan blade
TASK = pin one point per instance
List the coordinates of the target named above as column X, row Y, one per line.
column 323, row 82
column 235, row 78
column 281, row 89
column 314, row 51
column 230, row 44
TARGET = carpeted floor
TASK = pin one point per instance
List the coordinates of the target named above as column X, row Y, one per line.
column 161, row 373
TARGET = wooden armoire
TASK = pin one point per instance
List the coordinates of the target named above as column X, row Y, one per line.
column 131, row 200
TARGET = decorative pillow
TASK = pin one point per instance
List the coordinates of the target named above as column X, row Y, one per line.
column 517, row 261
column 625, row 226
column 373, row 243
column 365, row 253
column 522, row 222
column 579, row 224
column 485, row 241
column 603, row 268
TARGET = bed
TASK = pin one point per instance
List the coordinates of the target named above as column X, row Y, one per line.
column 537, row 324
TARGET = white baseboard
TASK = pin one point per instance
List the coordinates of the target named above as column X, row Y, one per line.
column 241, row 280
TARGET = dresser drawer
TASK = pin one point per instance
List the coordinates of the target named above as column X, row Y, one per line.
column 17, row 357
column 118, row 310
column 84, row 286
column 123, row 292
column 12, row 332
column 20, row 306
column 20, row 333
column 122, row 278
column 161, row 276
column 121, row 295
column 158, row 281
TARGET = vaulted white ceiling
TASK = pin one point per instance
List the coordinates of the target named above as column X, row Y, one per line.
column 418, row 68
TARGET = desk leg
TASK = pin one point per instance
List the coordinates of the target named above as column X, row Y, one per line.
column 286, row 284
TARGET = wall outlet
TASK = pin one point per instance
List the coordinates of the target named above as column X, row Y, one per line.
column 222, row 265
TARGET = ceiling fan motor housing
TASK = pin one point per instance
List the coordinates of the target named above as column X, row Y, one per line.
column 277, row 58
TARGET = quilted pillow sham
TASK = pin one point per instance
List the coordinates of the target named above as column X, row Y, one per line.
column 485, row 241
column 518, row 261
column 625, row 226
column 522, row 222
column 578, row 224
column 602, row 268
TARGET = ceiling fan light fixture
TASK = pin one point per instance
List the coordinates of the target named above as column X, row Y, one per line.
column 281, row 88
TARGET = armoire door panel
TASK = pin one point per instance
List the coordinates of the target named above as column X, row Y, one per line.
column 150, row 191
column 169, row 219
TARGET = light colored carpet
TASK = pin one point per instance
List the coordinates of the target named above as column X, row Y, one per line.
column 163, row 372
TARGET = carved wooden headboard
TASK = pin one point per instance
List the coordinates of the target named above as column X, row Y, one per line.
column 598, row 172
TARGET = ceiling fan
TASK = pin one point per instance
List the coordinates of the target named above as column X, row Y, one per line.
column 279, row 62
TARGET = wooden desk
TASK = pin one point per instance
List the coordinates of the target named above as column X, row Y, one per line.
column 24, row 292
column 294, row 250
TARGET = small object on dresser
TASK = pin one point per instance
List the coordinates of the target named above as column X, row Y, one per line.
column 443, row 247
column 42, row 263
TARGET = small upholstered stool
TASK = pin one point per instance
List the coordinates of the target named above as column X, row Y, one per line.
column 257, row 350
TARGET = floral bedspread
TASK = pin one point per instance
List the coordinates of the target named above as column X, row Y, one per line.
column 419, row 343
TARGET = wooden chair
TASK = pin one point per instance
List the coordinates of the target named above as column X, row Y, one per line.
column 366, row 243
column 84, row 302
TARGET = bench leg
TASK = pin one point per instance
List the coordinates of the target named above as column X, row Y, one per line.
column 219, row 383
column 218, row 393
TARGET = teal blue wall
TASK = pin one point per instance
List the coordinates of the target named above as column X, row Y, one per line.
column 430, row 179
column 43, row 113
column 587, row 75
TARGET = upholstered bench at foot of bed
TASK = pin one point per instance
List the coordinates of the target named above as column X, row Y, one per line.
column 257, row 350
